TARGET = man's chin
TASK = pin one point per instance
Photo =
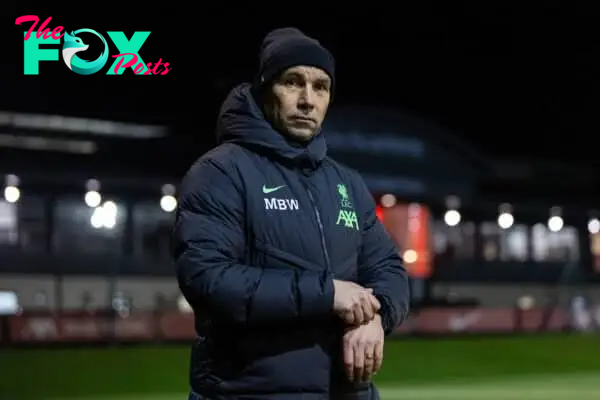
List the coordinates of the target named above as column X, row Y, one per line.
column 301, row 134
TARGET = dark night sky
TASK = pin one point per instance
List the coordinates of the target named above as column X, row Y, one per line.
column 513, row 80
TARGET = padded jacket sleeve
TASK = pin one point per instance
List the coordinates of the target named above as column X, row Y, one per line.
column 380, row 267
column 209, row 243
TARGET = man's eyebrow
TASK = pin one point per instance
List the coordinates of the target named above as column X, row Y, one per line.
column 291, row 74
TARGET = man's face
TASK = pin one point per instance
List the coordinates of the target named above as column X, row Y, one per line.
column 298, row 100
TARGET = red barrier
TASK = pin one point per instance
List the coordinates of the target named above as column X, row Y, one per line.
column 177, row 326
column 86, row 327
column 482, row 320
column 82, row 328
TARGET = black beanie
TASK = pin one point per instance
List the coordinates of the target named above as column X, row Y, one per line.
column 288, row 47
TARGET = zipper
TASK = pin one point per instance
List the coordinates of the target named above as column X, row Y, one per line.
column 321, row 229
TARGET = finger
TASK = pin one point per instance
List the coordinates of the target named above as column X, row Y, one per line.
column 359, row 316
column 368, row 312
column 369, row 362
column 375, row 303
column 359, row 362
column 349, row 318
column 378, row 357
column 349, row 359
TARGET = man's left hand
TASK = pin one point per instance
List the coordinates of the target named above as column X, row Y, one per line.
column 363, row 350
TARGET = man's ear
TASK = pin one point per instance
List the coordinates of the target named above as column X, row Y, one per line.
column 266, row 101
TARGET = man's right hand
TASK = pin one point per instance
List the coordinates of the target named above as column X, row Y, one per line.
column 353, row 303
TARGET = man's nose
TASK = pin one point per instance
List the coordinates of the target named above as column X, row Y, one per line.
column 306, row 100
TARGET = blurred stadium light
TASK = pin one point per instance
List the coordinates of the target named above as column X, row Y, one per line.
column 93, row 198
column 12, row 193
column 105, row 216
column 168, row 202
column 594, row 226
column 9, row 303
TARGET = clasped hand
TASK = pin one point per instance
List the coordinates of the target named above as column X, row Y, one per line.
column 364, row 337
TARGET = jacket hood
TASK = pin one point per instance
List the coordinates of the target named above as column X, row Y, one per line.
column 241, row 121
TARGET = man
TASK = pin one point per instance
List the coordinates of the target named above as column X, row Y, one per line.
column 292, row 278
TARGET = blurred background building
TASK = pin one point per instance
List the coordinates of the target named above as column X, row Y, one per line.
column 81, row 231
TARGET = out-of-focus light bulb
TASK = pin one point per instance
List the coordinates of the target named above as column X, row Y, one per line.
column 93, row 199
column 12, row 194
column 168, row 203
column 452, row 218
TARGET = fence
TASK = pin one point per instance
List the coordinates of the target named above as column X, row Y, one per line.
column 106, row 327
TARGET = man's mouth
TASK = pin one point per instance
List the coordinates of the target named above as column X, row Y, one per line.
column 304, row 119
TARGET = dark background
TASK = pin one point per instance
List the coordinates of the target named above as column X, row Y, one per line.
column 517, row 79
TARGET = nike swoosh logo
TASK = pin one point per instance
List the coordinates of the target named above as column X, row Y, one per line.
column 267, row 190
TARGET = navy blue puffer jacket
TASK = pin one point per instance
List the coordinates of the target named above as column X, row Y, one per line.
column 263, row 227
